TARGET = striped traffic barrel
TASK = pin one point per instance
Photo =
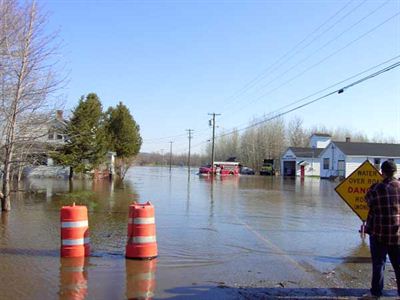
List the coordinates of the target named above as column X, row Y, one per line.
column 140, row 279
column 74, row 231
column 73, row 278
column 141, row 242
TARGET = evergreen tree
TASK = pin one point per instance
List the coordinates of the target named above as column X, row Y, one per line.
column 123, row 137
column 86, row 143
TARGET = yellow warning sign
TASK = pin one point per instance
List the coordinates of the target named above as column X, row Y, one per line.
column 355, row 186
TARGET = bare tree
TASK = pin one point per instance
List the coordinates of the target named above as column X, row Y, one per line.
column 319, row 129
column 122, row 166
column 248, row 148
column 296, row 134
column 341, row 133
column 227, row 145
column 381, row 138
column 27, row 76
column 266, row 141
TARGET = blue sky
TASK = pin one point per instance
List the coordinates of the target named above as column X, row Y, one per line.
column 173, row 62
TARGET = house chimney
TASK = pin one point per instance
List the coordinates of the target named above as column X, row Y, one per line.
column 347, row 139
column 59, row 114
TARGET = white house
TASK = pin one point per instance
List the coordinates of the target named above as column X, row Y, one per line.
column 300, row 161
column 48, row 134
column 304, row 161
column 340, row 159
column 56, row 128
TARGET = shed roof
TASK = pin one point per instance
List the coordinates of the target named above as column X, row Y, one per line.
column 369, row 149
column 306, row 151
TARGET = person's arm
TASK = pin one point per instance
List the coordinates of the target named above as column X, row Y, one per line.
column 370, row 196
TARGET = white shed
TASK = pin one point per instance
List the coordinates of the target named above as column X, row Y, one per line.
column 300, row 161
column 304, row 161
column 340, row 159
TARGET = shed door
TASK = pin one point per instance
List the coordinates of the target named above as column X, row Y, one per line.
column 289, row 168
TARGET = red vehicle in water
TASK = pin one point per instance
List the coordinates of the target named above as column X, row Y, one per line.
column 221, row 168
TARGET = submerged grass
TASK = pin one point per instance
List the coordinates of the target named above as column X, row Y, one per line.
column 80, row 198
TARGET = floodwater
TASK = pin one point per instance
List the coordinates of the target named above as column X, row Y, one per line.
column 247, row 237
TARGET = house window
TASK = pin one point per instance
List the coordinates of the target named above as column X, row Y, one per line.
column 59, row 137
column 326, row 163
column 50, row 136
column 377, row 163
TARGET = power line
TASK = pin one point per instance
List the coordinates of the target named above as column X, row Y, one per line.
column 337, row 83
column 289, row 54
column 318, row 62
column 337, row 91
column 333, row 85
column 332, row 40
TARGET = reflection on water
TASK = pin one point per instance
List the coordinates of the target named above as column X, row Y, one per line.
column 140, row 278
column 3, row 229
column 247, row 230
column 4, row 220
column 73, row 278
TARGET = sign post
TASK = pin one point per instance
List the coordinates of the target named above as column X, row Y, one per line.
column 354, row 188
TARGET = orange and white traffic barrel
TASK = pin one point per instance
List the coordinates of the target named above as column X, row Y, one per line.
column 142, row 242
column 74, row 231
column 73, row 278
column 140, row 279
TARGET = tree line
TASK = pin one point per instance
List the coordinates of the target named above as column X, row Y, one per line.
column 266, row 141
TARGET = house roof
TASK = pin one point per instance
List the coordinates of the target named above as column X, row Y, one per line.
column 306, row 151
column 369, row 149
column 321, row 134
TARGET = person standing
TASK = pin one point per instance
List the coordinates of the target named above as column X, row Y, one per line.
column 383, row 226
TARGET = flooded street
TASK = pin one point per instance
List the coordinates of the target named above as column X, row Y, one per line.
column 237, row 238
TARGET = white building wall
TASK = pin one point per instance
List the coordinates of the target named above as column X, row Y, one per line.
column 353, row 162
column 41, row 131
column 334, row 155
column 314, row 168
column 288, row 155
column 311, row 167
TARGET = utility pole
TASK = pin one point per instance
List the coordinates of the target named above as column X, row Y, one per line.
column 190, row 131
column 170, row 155
column 213, row 138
